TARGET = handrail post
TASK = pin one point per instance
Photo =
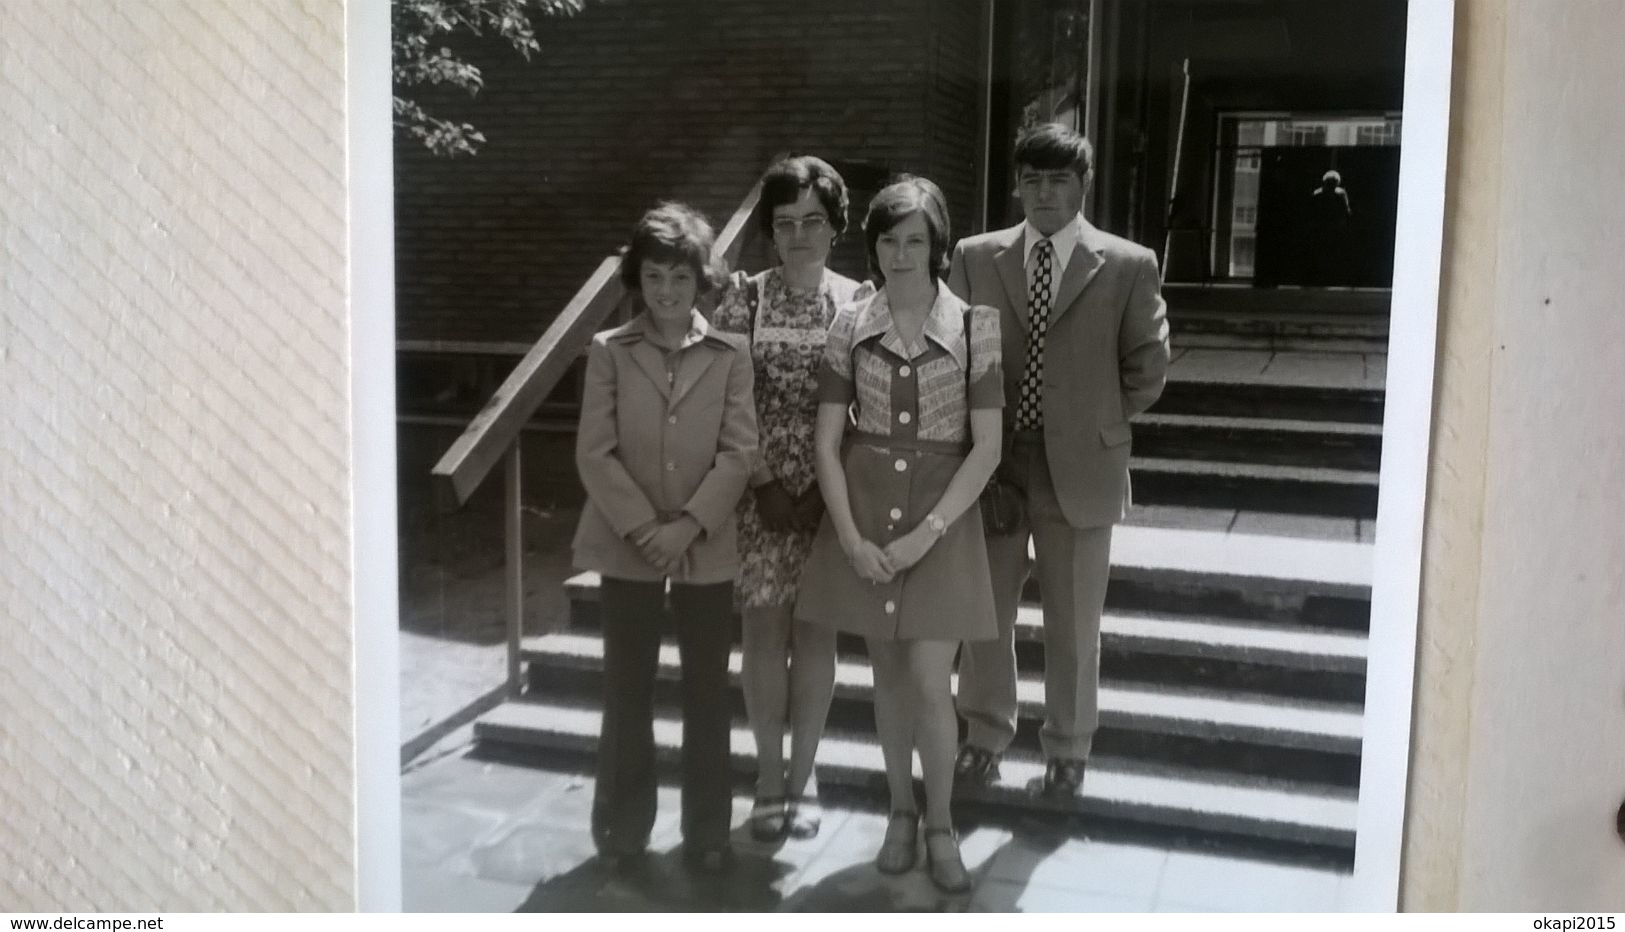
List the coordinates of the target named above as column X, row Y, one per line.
column 514, row 570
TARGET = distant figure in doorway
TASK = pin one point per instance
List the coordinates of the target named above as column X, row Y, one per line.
column 1329, row 216
column 1085, row 349
column 784, row 314
column 666, row 443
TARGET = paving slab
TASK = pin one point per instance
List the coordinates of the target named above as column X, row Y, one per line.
column 438, row 834
column 1376, row 367
column 1193, row 882
column 1201, row 364
column 1181, row 517
column 1367, row 529
column 1002, row 896
column 1249, row 555
column 427, row 890
column 1082, row 865
column 1319, row 527
column 1323, row 370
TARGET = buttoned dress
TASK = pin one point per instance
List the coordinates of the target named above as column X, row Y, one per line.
column 911, row 405
column 787, row 331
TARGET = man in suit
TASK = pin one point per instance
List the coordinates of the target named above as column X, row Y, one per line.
column 1085, row 348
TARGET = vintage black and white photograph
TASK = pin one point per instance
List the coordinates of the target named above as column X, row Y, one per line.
column 906, row 456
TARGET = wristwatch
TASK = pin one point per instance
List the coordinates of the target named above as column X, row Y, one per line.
column 936, row 524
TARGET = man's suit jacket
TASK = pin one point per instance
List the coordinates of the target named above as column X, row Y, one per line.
column 648, row 448
column 1105, row 355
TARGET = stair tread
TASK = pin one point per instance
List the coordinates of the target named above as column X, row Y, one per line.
column 1303, row 811
column 1285, row 425
column 1256, row 556
column 1234, row 639
column 1278, row 722
column 1245, row 470
column 1270, row 644
column 1265, row 557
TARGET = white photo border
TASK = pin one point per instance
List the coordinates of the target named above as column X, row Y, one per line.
column 1407, row 416
column 1402, row 483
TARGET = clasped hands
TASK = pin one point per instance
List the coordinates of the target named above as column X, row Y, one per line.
column 881, row 564
column 664, row 544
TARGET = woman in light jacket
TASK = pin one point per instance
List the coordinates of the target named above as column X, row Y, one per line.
column 666, row 444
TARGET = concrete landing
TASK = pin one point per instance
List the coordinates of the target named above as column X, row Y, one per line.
column 489, row 837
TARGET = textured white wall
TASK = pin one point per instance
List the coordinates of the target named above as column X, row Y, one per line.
column 1547, row 766
column 1519, row 746
column 174, row 457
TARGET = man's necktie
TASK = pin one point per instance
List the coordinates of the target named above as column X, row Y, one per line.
column 1030, row 400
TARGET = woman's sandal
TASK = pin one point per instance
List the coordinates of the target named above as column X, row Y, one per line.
column 947, row 869
column 769, row 818
column 900, row 849
column 804, row 817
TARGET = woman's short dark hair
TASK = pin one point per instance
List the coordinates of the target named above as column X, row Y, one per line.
column 672, row 234
column 786, row 179
column 1054, row 147
column 899, row 200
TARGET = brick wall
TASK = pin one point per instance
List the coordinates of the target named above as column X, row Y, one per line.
column 629, row 103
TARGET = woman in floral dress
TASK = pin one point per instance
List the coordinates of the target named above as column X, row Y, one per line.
column 789, row 667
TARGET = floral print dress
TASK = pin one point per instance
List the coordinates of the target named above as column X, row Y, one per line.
column 787, row 346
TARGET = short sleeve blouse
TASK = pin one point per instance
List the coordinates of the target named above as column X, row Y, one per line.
column 923, row 391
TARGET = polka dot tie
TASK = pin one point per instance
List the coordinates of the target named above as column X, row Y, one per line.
column 1030, row 400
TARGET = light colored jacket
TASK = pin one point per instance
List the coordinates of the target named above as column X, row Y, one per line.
column 1105, row 355
column 654, row 444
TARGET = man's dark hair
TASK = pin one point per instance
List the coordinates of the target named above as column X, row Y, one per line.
column 1054, row 147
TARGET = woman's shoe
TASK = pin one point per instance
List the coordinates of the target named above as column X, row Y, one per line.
column 804, row 817
column 769, row 817
column 943, row 863
column 900, row 849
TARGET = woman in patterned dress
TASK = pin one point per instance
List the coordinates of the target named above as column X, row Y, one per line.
column 900, row 557
column 785, row 312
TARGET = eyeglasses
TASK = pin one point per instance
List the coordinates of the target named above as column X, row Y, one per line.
column 790, row 226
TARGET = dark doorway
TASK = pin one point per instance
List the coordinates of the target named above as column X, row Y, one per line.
column 1040, row 74
column 1333, row 233
column 1270, row 226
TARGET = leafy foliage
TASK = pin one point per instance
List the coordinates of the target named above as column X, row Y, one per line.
column 417, row 29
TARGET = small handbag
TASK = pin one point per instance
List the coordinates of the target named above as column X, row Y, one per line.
column 1004, row 504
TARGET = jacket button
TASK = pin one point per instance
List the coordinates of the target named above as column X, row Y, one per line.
column 671, row 467
column 900, row 465
column 904, row 418
column 904, row 371
column 891, row 607
column 672, row 419
column 897, row 514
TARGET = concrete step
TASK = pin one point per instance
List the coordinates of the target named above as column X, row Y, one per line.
column 1115, row 793
column 1285, row 329
column 1286, row 309
column 1216, row 395
column 1186, row 338
column 1287, row 581
column 1213, row 654
column 1334, row 728
column 1263, row 440
column 1307, row 490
